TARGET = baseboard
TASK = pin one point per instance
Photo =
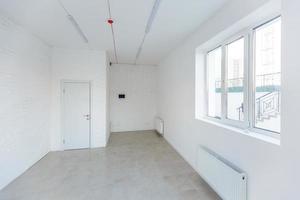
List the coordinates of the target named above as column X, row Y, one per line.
column 125, row 131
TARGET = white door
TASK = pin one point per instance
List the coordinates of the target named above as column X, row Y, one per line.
column 76, row 115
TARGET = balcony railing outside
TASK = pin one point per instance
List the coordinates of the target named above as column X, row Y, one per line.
column 264, row 82
column 267, row 105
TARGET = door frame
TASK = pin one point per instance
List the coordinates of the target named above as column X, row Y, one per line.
column 62, row 112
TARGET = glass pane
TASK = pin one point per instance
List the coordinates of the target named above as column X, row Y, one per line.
column 214, row 63
column 235, row 80
column 268, row 76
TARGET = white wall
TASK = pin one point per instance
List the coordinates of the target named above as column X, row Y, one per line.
column 290, row 140
column 176, row 105
column 138, row 109
column 80, row 65
column 107, row 94
column 24, row 100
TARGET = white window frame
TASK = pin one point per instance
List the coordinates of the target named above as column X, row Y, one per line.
column 249, row 81
column 252, row 81
column 206, row 82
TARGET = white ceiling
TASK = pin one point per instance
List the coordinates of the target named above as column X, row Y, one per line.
column 175, row 20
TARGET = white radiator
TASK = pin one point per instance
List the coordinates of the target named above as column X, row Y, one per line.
column 229, row 182
column 159, row 125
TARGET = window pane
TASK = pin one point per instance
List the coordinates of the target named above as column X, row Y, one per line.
column 235, row 80
column 268, row 76
column 214, row 63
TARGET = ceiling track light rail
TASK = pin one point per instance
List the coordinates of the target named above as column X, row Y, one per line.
column 74, row 23
column 148, row 28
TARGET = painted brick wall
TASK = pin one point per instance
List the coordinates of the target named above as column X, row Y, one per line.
column 88, row 65
column 24, row 100
column 138, row 109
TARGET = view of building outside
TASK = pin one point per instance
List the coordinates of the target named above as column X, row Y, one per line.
column 267, row 75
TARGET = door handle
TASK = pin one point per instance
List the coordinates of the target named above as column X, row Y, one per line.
column 87, row 117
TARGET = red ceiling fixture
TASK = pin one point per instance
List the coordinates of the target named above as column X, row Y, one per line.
column 110, row 21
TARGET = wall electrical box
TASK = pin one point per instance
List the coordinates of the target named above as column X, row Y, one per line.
column 121, row 96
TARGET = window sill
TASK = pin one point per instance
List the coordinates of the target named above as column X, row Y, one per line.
column 247, row 132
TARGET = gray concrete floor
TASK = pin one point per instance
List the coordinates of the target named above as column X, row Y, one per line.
column 134, row 166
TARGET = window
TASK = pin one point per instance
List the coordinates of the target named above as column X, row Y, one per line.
column 235, row 80
column 267, row 75
column 214, row 59
column 244, row 95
